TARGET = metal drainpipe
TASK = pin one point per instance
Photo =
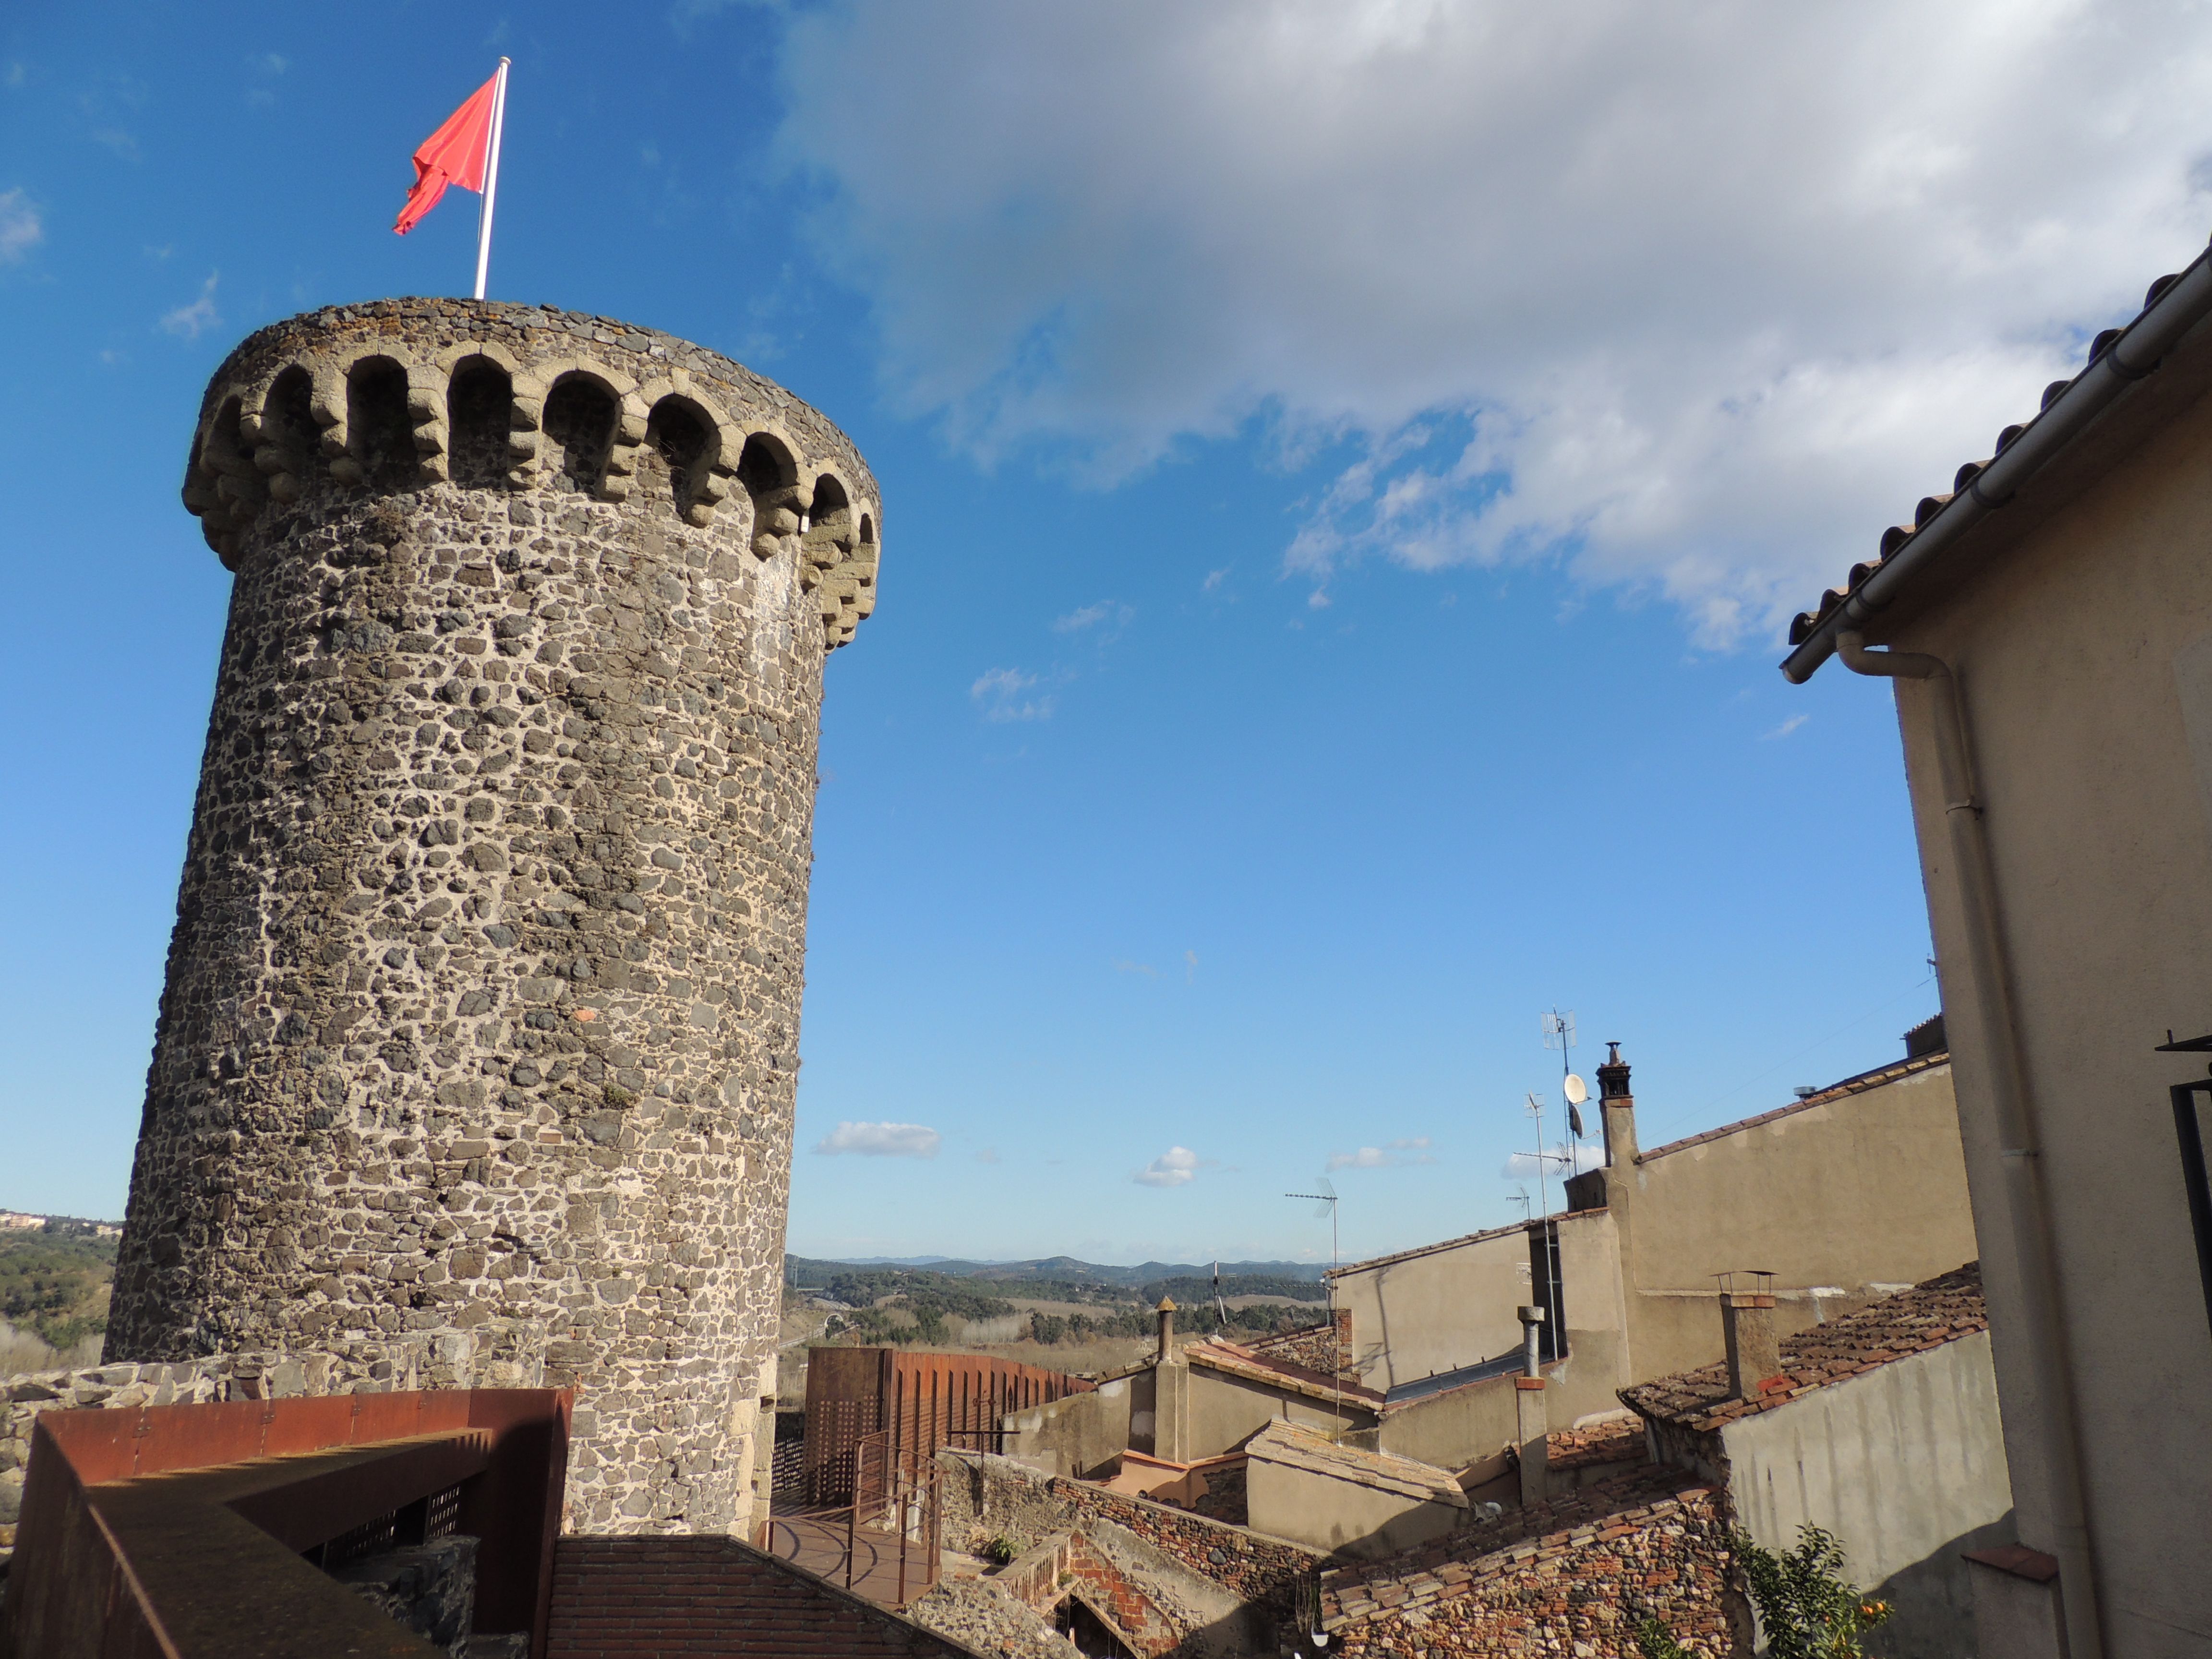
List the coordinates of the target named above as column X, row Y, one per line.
column 2020, row 1152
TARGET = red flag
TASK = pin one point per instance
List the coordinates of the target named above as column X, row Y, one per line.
column 453, row 155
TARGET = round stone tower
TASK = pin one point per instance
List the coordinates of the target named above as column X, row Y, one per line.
column 483, row 998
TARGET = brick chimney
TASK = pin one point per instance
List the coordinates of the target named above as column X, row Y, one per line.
column 1166, row 1311
column 1754, row 1352
column 1618, row 1108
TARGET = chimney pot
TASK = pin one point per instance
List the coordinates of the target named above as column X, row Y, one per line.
column 1167, row 1312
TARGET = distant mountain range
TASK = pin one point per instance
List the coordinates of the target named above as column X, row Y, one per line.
column 1067, row 1268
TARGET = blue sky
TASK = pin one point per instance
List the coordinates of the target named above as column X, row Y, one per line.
column 1345, row 466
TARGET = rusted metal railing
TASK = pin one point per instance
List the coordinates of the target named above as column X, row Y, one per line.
column 884, row 1543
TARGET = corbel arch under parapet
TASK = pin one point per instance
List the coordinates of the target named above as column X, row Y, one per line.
column 838, row 554
column 480, row 421
column 695, row 442
column 591, row 415
column 768, row 468
column 828, row 535
column 222, row 485
column 277, row 424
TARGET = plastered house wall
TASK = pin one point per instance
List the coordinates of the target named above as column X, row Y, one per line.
column 2081, row 649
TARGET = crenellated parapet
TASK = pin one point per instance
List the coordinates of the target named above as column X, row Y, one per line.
column 411, row 395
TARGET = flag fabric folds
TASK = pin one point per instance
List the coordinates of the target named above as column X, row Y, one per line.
column 453, row 155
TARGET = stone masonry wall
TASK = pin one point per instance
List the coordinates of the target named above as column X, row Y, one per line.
column 483, row 997
column 1578, row 1591
column 986, row 1497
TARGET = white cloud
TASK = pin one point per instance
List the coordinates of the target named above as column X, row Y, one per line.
column 21, row 228
column 1398, row 1152
column 1090, row 615
column 1000, row 693
column 190, row 322
column 1785, row 728
column 1696, row 299
column 881, row 1140
column 1176, row 1167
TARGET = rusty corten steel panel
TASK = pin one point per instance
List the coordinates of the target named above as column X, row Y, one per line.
column 924, row 1400
column 204, row 1560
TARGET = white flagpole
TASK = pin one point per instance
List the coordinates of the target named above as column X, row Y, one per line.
column 491, row 178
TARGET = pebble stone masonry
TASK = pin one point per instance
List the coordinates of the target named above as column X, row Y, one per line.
column 483, row 998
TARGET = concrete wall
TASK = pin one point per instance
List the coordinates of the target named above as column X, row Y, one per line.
column 1428, row 1311
column 1081, row 1436
column 1904, row 1464
column 1863, row 1194
column 1845, row 1200
column 1342, row 1516
column 1224, row 1412
column 2081, row 649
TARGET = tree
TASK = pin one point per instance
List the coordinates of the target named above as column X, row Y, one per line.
column 1806, row 1608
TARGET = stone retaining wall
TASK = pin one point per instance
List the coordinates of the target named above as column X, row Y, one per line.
column 987, row 1496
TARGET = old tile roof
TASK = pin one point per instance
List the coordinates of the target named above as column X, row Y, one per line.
column 1219, row 1354
column 1835, row 1092
column 1938, row 1310
column 1453, row 1565
column 1619, row 1442
column 1293, row 1445
column 1898, row 538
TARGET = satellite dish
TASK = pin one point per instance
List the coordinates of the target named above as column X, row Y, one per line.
column 1575, row 1089
column 1575, row 1121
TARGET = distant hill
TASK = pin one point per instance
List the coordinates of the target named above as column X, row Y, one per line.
column 1067, row 1269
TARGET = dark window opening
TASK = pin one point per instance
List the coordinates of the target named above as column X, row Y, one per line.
column 678, row 443
column 579, row 431
column 479, row 415
column 1090, row 1633
column 382, row 436
column 763, row 466
column 288, row 421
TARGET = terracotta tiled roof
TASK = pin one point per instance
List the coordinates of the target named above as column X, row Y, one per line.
column 1216, row 1353
column 1939, row 1310
column 1897, row 537
column 1295, row 1446
column 1834, row 1091
column 1620, row 1441
column 1448, row 1567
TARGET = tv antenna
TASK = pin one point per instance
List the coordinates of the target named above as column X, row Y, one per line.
column 1548, row 1290
column 1558, row 1026
column 1324, row 1203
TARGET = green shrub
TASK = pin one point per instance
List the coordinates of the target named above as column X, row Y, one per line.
column 1806, row 1608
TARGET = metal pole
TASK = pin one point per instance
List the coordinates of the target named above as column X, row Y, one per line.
column 491, row 178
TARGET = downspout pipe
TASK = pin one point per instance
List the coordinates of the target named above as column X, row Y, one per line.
column 2185, row 302
column 2020, row 1152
